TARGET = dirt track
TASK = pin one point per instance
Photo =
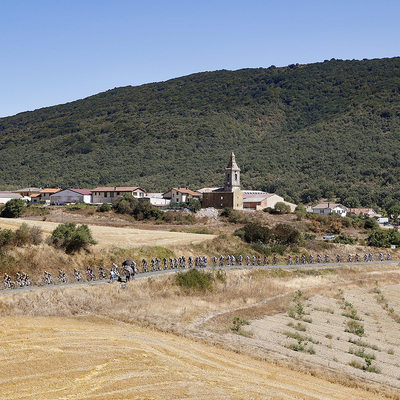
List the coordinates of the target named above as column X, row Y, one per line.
column 54, row 358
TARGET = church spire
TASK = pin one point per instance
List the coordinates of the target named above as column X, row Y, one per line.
column 232, row 175
column 232, row 162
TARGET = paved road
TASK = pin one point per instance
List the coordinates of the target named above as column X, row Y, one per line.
column 152, row 273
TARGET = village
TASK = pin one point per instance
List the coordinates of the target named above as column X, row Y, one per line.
column 229, row 196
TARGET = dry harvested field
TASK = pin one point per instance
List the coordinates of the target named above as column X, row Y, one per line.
column 126, row 237
column 154, row 340
column 93, row 358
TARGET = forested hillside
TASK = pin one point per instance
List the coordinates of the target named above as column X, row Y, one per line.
column 329, row 129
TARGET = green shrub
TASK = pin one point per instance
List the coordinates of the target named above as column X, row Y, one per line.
column 235, row 217
column 281, row 208
column 371, row 223
column 6, row 237
column 262, row 249
column 226, row 212
column 342, row 238
column 278, row 248
column 72, row 238
column 22, row 236
column 256, row 233
column 194, row 205
column 384, row 238
column 309, row 236
column 238, row 324
column 286, row 234
column 195, row 280
column 105, row 207
column 355, row 328
column 125, row 204
column 13, row 208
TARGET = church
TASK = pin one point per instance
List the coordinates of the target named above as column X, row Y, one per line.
column 228, row 196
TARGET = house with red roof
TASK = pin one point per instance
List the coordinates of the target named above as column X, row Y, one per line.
column 181, row 195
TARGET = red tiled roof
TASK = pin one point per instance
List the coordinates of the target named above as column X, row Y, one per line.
column 118, row 189
column 188, row 191
column 49, row 190
column 82, row 191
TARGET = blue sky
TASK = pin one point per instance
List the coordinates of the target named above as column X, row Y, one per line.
column 57, row 51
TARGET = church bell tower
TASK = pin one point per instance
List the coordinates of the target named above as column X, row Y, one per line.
column 232, row 175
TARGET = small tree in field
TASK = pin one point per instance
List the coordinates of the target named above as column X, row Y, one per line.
column 72, row 238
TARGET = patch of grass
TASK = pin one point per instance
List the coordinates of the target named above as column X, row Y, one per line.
column 361, row 353
column 299, row 326
column 355, row 328
column 280, row 273
column 238, row 323
column 360, row 343
column 316, row 272
column 327, row 310
column 203, row 231
column 300, row 337
column 368, row 368
column 301, row 347
column 352, row 314
column 195, row 280
column 220, row 275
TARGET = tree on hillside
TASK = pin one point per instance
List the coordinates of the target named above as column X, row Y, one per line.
column 351, row 202
column 281, row 208
column 384, row 238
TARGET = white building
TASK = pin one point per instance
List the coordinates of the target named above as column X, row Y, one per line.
column 156, row 199
column 6, row 196
column 327, row 208
column 68, row 196
column 258, row 200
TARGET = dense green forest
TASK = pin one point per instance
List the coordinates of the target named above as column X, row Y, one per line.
column 328, row 129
